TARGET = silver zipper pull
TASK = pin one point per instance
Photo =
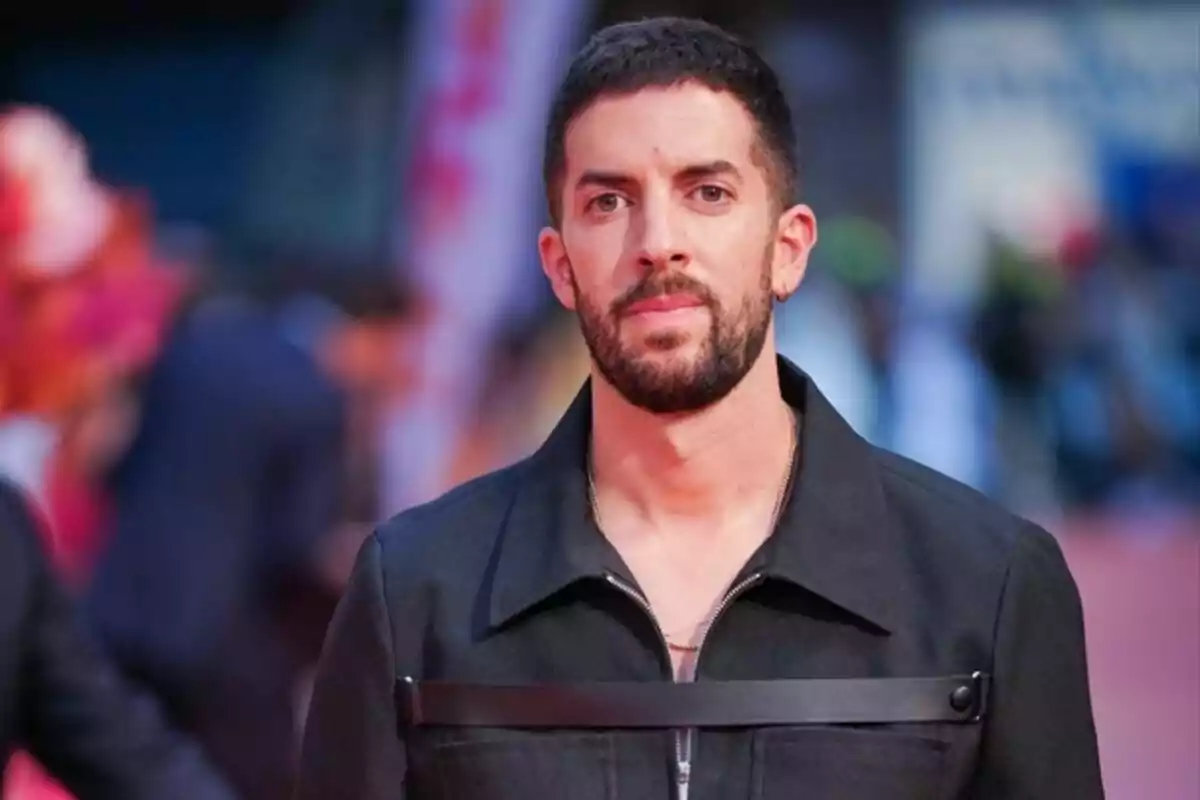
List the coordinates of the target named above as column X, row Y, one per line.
column 683, row 776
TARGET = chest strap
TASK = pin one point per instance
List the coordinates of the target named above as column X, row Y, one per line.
column 704, row 704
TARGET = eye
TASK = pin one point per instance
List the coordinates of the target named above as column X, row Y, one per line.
column 711, row 193
column 606, row 203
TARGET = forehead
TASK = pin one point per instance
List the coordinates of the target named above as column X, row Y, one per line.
column 660, row 128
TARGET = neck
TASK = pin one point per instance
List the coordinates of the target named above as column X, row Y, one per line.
column 698, row 465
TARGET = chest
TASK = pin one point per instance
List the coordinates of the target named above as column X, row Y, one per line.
column 683, row 599
column 768, row 632
column 685, row 582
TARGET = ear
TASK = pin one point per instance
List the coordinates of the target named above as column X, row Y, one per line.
column 795, row 238
column 557, row 266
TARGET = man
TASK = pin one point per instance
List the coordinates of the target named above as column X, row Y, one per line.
column 59, row 697
column 704, row 584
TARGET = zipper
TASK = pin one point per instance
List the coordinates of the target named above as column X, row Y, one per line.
column 683, row 738
column 683, row 767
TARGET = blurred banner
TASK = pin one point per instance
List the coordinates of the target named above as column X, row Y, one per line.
column 1026, row 130
column 483, row 79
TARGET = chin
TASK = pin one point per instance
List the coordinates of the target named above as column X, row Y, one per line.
column 667, row 344
column 676, row 361
column 666, row 338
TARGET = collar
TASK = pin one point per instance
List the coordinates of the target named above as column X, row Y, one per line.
column 834, row 537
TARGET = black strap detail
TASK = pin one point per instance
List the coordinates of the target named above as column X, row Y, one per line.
column 706, row 704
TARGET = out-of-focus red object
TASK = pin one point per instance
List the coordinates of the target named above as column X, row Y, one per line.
column 84, row 307
column 25, row 780
column 69, row 345
column 64, row 338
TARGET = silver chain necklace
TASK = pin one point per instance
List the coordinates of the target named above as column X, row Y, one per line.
column 780, row 501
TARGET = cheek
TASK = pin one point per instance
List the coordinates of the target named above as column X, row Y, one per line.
column 735, row 260
column 595, row 257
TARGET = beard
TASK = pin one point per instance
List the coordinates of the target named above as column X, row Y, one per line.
column 731, row 345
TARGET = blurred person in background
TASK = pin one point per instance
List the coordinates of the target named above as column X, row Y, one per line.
column 532, row 375
column 84, row 303
column 63, row 700
column 1094, row 404
column 1017, row 329
column 216, row 585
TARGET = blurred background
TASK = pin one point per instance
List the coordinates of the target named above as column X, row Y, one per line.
column 268, row 275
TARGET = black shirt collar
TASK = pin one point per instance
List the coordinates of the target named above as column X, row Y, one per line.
column 833, row 539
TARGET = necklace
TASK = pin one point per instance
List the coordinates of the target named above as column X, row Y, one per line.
column 780, row 501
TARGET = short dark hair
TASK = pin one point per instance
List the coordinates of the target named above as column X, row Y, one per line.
column 667, row 51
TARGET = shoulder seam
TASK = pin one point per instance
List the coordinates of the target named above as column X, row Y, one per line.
column 381, row 576
column 1005, row 519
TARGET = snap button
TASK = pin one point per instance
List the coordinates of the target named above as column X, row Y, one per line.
column 962, row 698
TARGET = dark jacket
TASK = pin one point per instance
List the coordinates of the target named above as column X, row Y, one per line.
column 232, row 481
column 208, row 588
column 892, row 579
column 60, row 698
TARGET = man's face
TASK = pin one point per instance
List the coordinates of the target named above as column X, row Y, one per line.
column 668, row 244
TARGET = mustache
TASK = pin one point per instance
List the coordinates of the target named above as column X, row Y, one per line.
column 660, row 284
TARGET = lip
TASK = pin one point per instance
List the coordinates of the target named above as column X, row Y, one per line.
column 664, row 303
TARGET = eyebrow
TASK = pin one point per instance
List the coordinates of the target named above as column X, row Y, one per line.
column 608, row 180
column 693, row 172
column 711, row 169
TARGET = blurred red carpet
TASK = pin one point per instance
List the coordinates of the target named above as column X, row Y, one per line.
column 1140, row 582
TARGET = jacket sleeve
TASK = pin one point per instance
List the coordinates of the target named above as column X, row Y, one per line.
column 352, row 749
column 92, row 732
column 1039, row 740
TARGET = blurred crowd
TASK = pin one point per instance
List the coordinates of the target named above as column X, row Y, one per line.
column 202, row 440
column 1092, row 347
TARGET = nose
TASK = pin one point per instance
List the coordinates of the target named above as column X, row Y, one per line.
column 663, row 245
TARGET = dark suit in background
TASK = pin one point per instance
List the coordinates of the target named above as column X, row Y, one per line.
column 62, row 700
column 230, row 484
